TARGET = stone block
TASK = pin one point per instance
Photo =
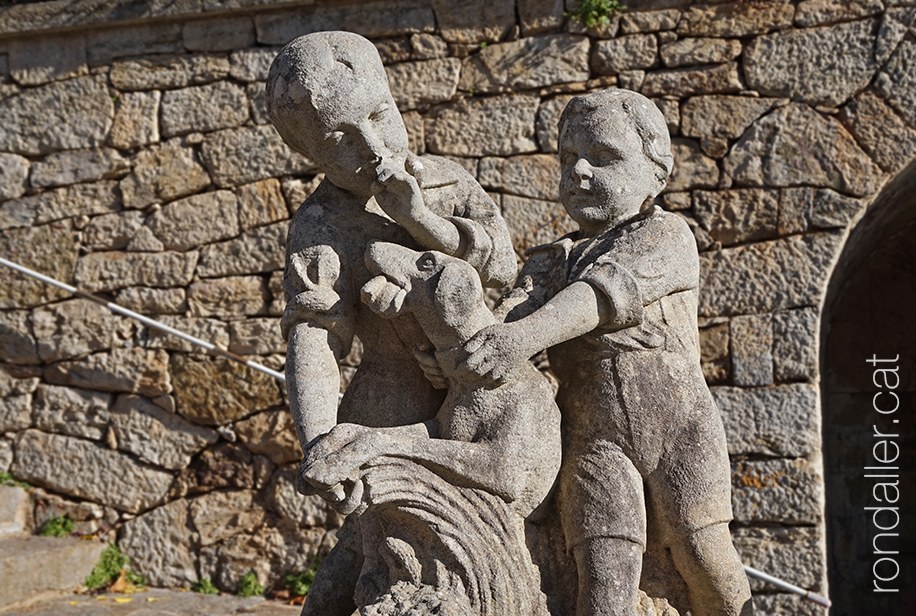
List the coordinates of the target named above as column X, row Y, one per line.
column 109, row 271
column 880, row 131
column 751, row 338
column 196, row 220
column 723, row 116
column 63, row 168
column 394, row 50
column 423, row 83
column 232, row 297
column 296, row 190
column 683, row 82
column 714, row 358
column 256, row 337
column 497, row 126
column 548, row 117
column 15, row 511
column 160, row 543
column 261, row 203
column 257, row 101
column 77, row 327
column 14, row 173
column 226, row 465
column 896, row 81
column 304, row 511
column 635, row 51
column 533, row 222
column 795, row 343
column 252, row 64
column 416, row 138
column 474, row 21
column 528, row 63
column 671, row 110
column 153, row 301
column 49, row 249
column 17, row 342
column 83, row 469
column 216, row 392
column 209, row 330
column 738, row 215
column 536, row 176
column 649, row 21
column 536, row 16
column 35, row 61
column 792, row 554
column 156, row 436
column 16, row 412
column 70, row 411
column 203, row 108
column 259, row 250
column 111, row 231
column 88, row 518
column 273, row 434
column 694, row 51
column 692, row 168
column 76, row 113
column 427, row 46
column 66, row 202
column 242, row 155
column 780, row 491
column 218, row 34
column 803, row 209
column 104, row 46
column 735, row 19
column 162, row 173
column 817, row 12
column 220, row 515
column 784, row 603
column 131, row 370
column 278, row 301
column 136, row 120
column 6, row 454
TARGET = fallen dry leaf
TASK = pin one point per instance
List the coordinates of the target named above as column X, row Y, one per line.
column 123, row 599
column 120, row 584
column 297, row 600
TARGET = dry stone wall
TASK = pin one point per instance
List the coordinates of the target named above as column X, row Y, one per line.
column 138, row 162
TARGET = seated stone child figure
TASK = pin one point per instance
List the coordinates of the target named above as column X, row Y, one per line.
column 328, row 96
column 615, row 304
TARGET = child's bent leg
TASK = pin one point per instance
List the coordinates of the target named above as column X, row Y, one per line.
column 331, row 593
column 716, row 581
column 609, row 571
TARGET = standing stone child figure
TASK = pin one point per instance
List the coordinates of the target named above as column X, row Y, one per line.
column 615, row 304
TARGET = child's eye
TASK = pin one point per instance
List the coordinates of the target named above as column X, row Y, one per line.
column 380, row 112
column 605, row 156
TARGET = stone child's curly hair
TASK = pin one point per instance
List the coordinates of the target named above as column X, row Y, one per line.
column 643, row 116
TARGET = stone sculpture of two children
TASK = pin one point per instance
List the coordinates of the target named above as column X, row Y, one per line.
column 614, row 303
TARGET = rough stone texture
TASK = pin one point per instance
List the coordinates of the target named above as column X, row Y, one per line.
column 839, row 61
column 103, row 46
column 770, row 421
column 527, row 63
column 737, row 216
column 880, row 131
column 787, row 491
column 78, row 200
column 735, row 19
column 163, row 173
column 283, row 498
column 74, row 412
column 693, row 51
column 803, row 209
column 252, row 64
column 219, row 34
column 17, row 342
column 159, row 545
column 787, row 553
column 130, row 370
column 49, row 249
column 474, row 21
column 227, row 465
column 216, row 391
column 261, row 203
column 108, row 271
column 136, row 120
column 681, row 82
column 153, row 301
column 87, row 517
column 499, row 126
column 242, row 155
column 168, row 72
column 111, row 231
column 766, row 276
column 156, row 436
column 196, row 220
column 692, row 169
column 751, row 339
column 795, row 343
column 6, row 454
column 897, row 83
column 533, row 222
column 671, row 110
column 210, row 330
column 651, row 21
column 228, row 297
column 723, row 116
column 36, row 61
column 257, row 100
column 795, row 145
column 256, row 337
column 75, row 113
column 424, row 83
column 77, row 327
column 85, row 470
column 816, row 12
column 714, row 358
column 220, row 515
column 537, row 16
column 203, row 108
column 548, row 117
column 272, row 434
column 15, row 413
column 14, row 171
column 259, row 250
column 535, row 176
column 625, row 53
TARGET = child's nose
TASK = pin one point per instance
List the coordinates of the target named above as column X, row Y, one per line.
column 582, row 169
column 375, row 144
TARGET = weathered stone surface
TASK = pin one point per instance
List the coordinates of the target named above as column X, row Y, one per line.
column 209, row 330
column 71, row 167
column 651, row 21
column 75, row 113
column 418, row 84
column 85, row 470
column 474, row 21
column 548, row 117
column 539, row 15
column 880, row 131
column 394, row 50
column 897, row 82
column 803, row 209
column 251, row 64
column 218, row 516
column 156, row 436
column 145, row 241
column 735, row 19
column 256, row 337
column 785, row 491
column 296, row 190
column 838, row 61
column 259, row 250
column 795, row 145
column 153, row 301
column 130, row 370
column 159, row 544
column 15, row 412
column 79, row 200
column 227, row 465
column 751, row 338
column 536, row 176
column 305, row 511
column 49, row 249
column 230, row 297
column 87, row 517
column 203, row 108
column 692, row 168
column 723, row 116
column 787, row 553
column 168, row 71
column 795, row 342
column 215, row 392
column 767, row 276
column 162, row 173
column 106, row 45
column 427, row 46
column 693, row 51
column 533, row 222
column 498, row 126
column 77, row 327
column 816, row 12
column 714, row 358
column 219, row 34
column 136, row 120
column 261, row 203
column 111, row 231
column 242, row 155
column 6, row 454
column 625, row 53
column 737, row 216
column 75, row 412
column 34, row 61
column 14, row 171
column 196, row 220
column 17, row 342
column 257, row 101
column 785, row 603
column 273, row 434
column 671, row 110
column 108, row 271
column 681, row 82
column 527, row 63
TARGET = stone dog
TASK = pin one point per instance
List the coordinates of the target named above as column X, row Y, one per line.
column 490, row 458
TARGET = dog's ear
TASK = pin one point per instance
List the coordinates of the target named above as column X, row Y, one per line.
column 457, row 292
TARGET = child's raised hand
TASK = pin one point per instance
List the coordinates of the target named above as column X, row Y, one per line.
column 496, row 352
column 397, row 191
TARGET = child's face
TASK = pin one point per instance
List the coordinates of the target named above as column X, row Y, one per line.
column 605, row 176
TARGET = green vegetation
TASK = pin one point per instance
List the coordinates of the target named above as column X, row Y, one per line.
column 205, row 587
column 6, row 479
column 57, row 527
column 594, row 13
column 108, row 569
column 249, row 587
column 298, row 584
